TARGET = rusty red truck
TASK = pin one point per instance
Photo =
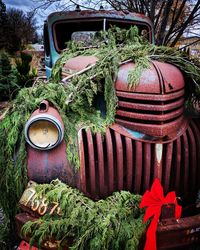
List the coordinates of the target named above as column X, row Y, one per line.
column 152, row 137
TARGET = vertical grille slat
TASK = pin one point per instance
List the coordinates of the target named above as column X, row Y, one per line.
column 82, row 154
column 185, row 166
column 100, row 164
column 129, row 164
column 110, row 163
column 92, row 175
column 177, row 164
column 192, row 170
column 168, row 165
column 147, row 165
column 116, row 162
column 138, row 166
column 196, row 130
column 119, row 155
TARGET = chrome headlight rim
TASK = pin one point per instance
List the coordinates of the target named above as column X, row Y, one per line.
column 44, row 117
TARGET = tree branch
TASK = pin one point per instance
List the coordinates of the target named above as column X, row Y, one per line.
column 158, row 15
column 174, row 23
column 164, row 22
column 185, row 24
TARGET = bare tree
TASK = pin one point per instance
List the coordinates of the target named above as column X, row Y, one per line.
column 171, row 18
column 22, row 28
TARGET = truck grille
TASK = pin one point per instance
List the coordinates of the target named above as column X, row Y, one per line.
column 116, row 162
column 156, row 115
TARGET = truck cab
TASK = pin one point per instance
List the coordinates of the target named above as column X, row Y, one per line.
column 61, row 27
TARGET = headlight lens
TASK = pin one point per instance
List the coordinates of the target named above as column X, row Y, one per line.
column 43, row 132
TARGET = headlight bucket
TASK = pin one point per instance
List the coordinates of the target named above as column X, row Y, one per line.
column 45, row 129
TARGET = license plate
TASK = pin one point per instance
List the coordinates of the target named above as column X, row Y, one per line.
column 38, row 204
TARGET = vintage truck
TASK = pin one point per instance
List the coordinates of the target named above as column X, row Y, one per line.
column 151, row 137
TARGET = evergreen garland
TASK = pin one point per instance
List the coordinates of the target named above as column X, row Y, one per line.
column 113, row 223
column 75, row 102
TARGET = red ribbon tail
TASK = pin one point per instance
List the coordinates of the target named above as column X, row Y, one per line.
column 151, row 233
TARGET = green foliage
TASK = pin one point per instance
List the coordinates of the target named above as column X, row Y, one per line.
column 12, row 79
column 113, row 223
column 8, row 81
column 24, row 74
column 23, row 65
column 4, row 232
column 117, row 46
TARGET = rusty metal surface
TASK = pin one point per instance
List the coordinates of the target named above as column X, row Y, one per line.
column 91, row 171
column 177, row 162
column 78, row 63
column 196, row 131
column 151, row 107
column 119, row 175
column 156, row 105
column 110, row 162
column 193, row 153
column 152, row 129
column 82, row 154
column 151, row 97
column 183, row 234
column 147, row 165
column 100, row 158
column 49, row 110
column 132, row 164
column 168, row 167
column 172, row 78
column 44, row 166
column 160, row 78
column 129, row 158
column 125, row 15
column 151, row 117
column 151, row 139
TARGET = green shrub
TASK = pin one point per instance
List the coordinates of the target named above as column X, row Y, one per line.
column 12, row 79
column 24, row 74
column 8, row 80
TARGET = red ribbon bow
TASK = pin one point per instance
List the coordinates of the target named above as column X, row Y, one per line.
column 154, row 200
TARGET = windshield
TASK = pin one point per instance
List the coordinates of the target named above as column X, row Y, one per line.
column 86, row 30
column 85, row 37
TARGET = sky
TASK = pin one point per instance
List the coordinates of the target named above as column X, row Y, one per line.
column 28, row 5
column 24, row 5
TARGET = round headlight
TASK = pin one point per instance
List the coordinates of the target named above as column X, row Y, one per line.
column 44, row 132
